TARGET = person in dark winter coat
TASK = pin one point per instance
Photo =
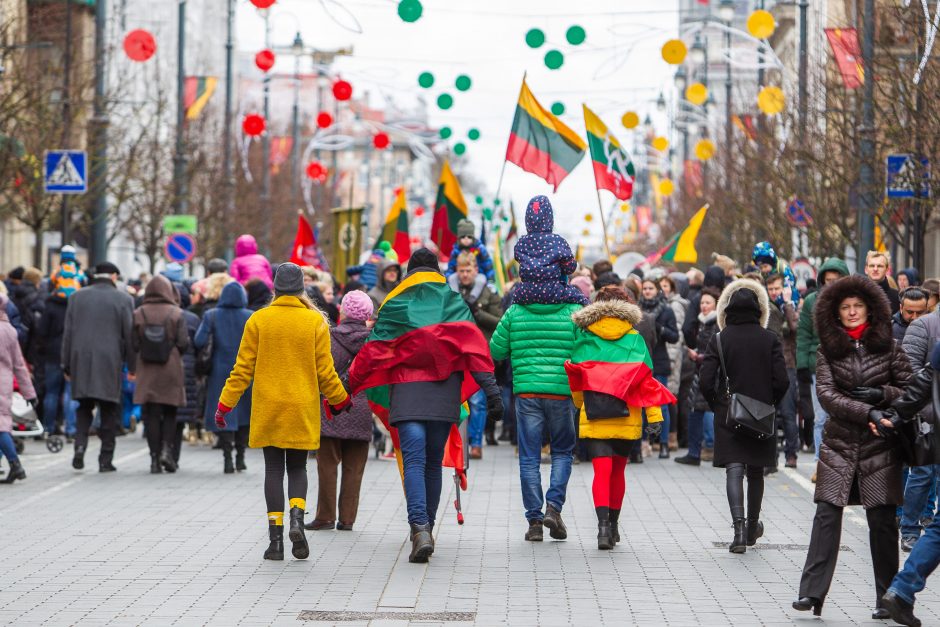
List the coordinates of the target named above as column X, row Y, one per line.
column 859, row 368
column 908, row 277
column 58, row 391
column 160, row 380
column 467, row 242
column 344, row 440
column 98, row 330
column 30, row 302
column 259, row 294
column 654, row 306
column 714, row 277
column 913, row 306
column 225, row 325
column 545, row 260
column 877, row 264
column 191, row 412
column 755, row 367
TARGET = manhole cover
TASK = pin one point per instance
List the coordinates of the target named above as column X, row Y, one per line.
column 335, row 617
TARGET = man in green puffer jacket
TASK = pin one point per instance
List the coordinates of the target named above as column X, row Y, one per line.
column 807, row 341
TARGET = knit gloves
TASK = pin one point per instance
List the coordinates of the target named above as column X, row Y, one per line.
column 220, row 414
column 333, row 410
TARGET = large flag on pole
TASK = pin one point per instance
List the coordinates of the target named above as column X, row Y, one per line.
column 449, row 209
column 395, row 231
column 681, row 247
column 540, row 143
column 305, row 251
column 613, row 169
column 848, row 55
column 197, row 90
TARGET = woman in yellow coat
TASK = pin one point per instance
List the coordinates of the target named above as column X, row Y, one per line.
column 612, row 383
column 285, row 354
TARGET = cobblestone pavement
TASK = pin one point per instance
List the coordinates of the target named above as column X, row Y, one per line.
column 137, row 549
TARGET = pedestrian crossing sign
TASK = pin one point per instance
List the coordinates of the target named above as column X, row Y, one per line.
column 66, row 172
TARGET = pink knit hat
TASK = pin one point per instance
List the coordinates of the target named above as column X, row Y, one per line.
column 357, row 305
column 584, row 284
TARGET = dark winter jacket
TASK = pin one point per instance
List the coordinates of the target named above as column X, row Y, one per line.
column 919, row 341
column 667, row 332
column 52, row 327
column 714, row 277
column 849, row 451
column 191, row 409
column 783, row 322
column 922, row 395
column 30, row 303
column 346, row 340
column 259, row 295
column 484, row 260
column 16, row 321
column 161, row 383
column 707, row 328
column 807, row 340
column 383, row 287
column 483, row 303
column 893, row 300
column 755, row 367
column 898, row 327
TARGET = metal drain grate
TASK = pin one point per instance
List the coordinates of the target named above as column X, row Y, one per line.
column 779, row 547
column 336, row 617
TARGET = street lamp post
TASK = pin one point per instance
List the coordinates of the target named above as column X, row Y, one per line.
column 99, row 132
column 266, row 145
column 180, row 202
column 297, row 49
column 680, row 80
column 228, row 185
column 726, row 13
column 866, row 144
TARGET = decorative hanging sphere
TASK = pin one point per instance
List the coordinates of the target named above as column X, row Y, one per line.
column 463, row 82
column 666, row 187
column 575, row 35
column 674, row 51
column 460, row 148
column 381, row 141
column 487, row 214
column 534, row 38
column 445, row 101
column 479, row 200
column 445, row 132
column 410, row 10
column 342, row 90
column 624, row 207
column 661, row 144
column 253, row 125
column 586, row 232
column 496, row 202
column 419, row 211
column 265, row 60
column 324, row 119
column 760, row 24
column 696, row 93
column 263, row 4
column 473, row 134
column 139, row 45
column 425, row 79
column 630, row 120
column 704, row 149
column 554, row 59
column 316, row 170
column 771, row 100
column 588, row 217
column 558, row 108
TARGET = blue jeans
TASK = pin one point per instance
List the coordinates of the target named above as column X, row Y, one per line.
column 920, row 564
column 422, row 451
column 701, row 427
column 532, row 416
column 921, row 481
column 664, row 434
column 477, row 420
column 57, row 387
column 820, row 420
column 7, row 448
column 786, row 415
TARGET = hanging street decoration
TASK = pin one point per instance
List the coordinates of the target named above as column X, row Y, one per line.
column 554, row 59
column 263, row 4
column 760, row 24
column 460, row 148
column 463, row 82
column 661, row 144
column 575, row 35
column 558, row 108
column 253, row 125
column 426, row 80
column 324, row 120
column 535, row 38
column 410, row 10
column 696, row 93
column 419, row 211
column 342, row 90
column 381, row 141
column 704, row 150
column 316, row 172
column 771, row 100
column 445, row 132
column 265, row 60
column 630, row 120
column 473, row 134
column 139, row 45
column 445, row 101
column 674, row 51
column 666, row 187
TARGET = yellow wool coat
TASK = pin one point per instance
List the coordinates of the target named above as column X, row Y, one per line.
column 285, row 351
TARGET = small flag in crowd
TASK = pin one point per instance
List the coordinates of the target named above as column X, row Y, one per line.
column 305, row 251
column 449, row 209
column 681, row 247
column 197, row 90
column 613, row 169
column 395, row 231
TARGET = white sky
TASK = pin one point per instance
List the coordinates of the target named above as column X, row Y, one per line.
column 617, row 68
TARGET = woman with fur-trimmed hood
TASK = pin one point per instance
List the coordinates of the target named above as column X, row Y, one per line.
column 755, row 366
column 860, row 369
column 611, row 377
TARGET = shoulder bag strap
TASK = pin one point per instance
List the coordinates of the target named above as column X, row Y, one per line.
column 721, row 359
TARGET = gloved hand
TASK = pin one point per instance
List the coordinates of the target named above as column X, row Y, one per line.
column 876, row 418
column 494, row 408
column 804, row 375
column 220, row 414
column 654, row 429
column 335, row 410
column 871, row 396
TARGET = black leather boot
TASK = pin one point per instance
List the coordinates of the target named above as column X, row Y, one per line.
column 739, row 543
column 16, row 472
column 421, row 545
column 78, row 461
column 240, row 460
column 300, row 548
column 605, row 541
column 166, row 459
column 614, row 525
column 491, row 437
column 805, row 604
column 275, row 550
column 755, row 529
column 155, row 467
column 900, row 610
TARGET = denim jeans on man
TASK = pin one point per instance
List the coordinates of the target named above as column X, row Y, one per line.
column 664, row 434
column 532, row 415
column 819, row 422
column 920, row 564
column 786, row 415
column 57, row 388
column 701, row 427
column 477, row 420
column 921, row 480
column 422, row 451
column 7, row 447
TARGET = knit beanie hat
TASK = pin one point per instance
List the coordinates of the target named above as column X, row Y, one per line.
column 423, row 258
column 216, row 265
column 465, row 228
column 289, row 280
column 173, row 271
column 67, row 253
column 357, row 305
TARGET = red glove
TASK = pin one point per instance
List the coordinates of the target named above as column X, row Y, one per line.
column 220, row 415
column 333, row 410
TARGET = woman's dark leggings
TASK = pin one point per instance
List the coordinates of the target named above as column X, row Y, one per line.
column 275, row 461
column 734, row 484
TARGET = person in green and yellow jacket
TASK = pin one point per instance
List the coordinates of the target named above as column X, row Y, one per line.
column 611, row 378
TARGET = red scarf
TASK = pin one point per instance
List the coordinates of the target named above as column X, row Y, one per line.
column 857, row 332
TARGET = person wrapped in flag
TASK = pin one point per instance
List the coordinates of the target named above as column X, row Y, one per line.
column 424, row 358
column 612, row 384
column 545, row 260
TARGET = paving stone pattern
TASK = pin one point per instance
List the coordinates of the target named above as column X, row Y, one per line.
column 137, row 549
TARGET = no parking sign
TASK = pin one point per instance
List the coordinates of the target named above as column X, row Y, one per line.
column 180, row 247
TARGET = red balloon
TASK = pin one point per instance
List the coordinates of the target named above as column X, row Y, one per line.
column 264, row 60
column 139, row 45
column 253, row 125
column 263, row 4
column 380, row 141
column 342, row 90
column 324, row 119
column 419, row 211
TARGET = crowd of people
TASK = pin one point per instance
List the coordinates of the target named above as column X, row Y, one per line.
column 735, row 363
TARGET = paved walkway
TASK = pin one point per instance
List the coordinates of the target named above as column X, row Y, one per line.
column 185, row 549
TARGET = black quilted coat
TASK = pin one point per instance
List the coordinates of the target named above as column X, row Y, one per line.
column 849, row 451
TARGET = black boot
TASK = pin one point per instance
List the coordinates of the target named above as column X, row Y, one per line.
column 300, row 548
column 166, row 459
column 805, row 604
column 155, row 467
column 78, row 462
column 755, row 529
column 734, row 486
column 614, row 525
column 275, row 550
column 240, row 459
column 900, row 610
column 605, row 540
column 227, row 466
column 421, row 547
column 16, row 472
column 491, row 437
column 739, row 543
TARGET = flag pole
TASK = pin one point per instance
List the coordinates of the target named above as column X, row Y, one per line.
column 600, row 208
column 502, row 172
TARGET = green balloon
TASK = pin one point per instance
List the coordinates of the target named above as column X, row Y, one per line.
column 534, row 38
column 459, row 148
column 473, row 134
column 445, row 132
column 426, row 79
column 554, row 59
column 463, row 82
column 445, row 101
column 410, row 10
column 558, row 108
column 575, row 35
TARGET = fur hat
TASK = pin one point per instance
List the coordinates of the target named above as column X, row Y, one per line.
column 833, row 341
column 357, row 305
column 423, row 258
column 763, row 303
column 465, row 228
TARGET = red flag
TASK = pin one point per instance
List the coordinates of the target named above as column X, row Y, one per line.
column 304, row 252
column 845, row 49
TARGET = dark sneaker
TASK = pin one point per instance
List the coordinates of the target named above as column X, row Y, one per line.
column 534, row 532
column 901, row 611
column 554, row 523
column 688, row 460
column 907, row 543
column 791, row 462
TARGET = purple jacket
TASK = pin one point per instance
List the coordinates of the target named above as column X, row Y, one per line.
column 345, row 342
column 11, row 364
column 248, row 264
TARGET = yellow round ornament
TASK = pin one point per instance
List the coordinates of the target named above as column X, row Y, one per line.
column 666, row 187
column 696, row 93
column 661, row 144
column 761, row 24
column 704, row 149
column 674, row 51
column 771, row 100
column 630, row 120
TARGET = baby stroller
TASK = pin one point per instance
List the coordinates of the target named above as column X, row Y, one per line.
column 26, row 424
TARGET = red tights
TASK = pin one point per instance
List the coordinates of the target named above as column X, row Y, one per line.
column 610, row 482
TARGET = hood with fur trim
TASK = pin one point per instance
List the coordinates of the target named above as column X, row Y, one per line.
column 733, row 288
column 833, row 340
column 618, row 309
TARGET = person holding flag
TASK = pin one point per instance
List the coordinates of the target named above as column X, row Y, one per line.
column 424, row 358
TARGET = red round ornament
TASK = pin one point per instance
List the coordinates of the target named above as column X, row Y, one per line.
column 419, row 211
column 342, row 90
column 316, row 171
column 253, row 125
column 265, row 60
column 139, row 45
column 324, row 119
column 380, row 141
column 263, row 4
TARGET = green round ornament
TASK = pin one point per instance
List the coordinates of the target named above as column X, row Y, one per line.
column 534, row 38
column 445, row 132
column 459, row 148
column 479, row 200
column 496, row 202
column 410, row 10
column 473, row 134
column 554, row 59
column 575, row 35
column 558, row 108
column 488, row 214
column 463, row 82
column 426, row 79
column 445, row 101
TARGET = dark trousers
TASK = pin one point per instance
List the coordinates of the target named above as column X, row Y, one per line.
column 234, row 439
column 276, row 461
column 352, row 454
column 824, row 549
column 160, row 424
column 85, row 414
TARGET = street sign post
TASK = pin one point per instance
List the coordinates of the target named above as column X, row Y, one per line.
column 66, row 172
column 901, row 174
column 180, row 224
column 180, row 247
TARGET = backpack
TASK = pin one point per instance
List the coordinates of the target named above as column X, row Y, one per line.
column 68, row 278
column 155, row 343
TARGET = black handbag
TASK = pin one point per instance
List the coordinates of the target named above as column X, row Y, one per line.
column 914, row 440
column 746, row 416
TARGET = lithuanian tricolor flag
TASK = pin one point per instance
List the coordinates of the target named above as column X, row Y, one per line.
column 613, row 169
column 540, row 143
column 680, row 248
column 395, row 231
column 196, row 93
column 449, row 209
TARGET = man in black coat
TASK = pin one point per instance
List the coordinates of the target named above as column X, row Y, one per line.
column 877, row 264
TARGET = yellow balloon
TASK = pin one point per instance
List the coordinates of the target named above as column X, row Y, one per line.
column 696, row 93
column 630, row 120
column 674, row 51
column 761, row 24
column 666, row 187
column 625, row 207
column 771, row 100
column 661, row 144
column 588, row 217
column 704, row 150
